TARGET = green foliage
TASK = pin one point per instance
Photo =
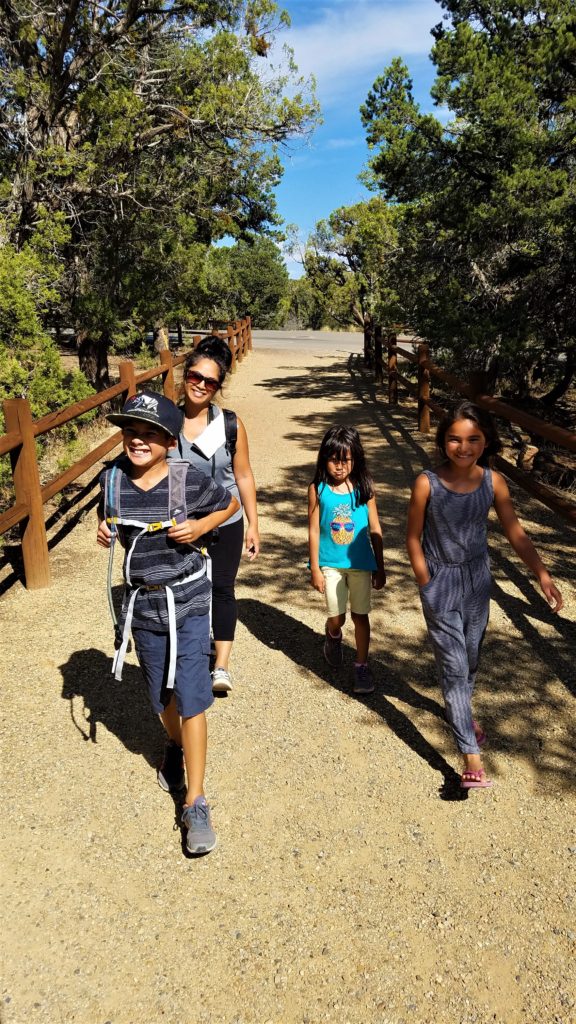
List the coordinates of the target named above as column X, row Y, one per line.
column 29, row 361
column 246, row 278
column 306, row 305
column 149, row 132
column 347, row 262
column 487, row 202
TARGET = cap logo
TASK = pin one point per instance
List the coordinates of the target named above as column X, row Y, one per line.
column 145, row 402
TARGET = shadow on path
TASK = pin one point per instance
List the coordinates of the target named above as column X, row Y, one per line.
column 395, row 466
column 77, row 501
column 279, row 631
column 123, row 708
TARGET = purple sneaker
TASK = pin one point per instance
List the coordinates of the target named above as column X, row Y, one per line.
column 333, row 652
column 363, row 682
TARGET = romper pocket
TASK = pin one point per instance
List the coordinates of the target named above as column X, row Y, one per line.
column 429, row 592
column 428, row 585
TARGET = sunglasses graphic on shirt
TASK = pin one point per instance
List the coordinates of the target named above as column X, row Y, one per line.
column 336, row 527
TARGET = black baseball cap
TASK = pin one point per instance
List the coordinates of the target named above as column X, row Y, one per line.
column 150, row 407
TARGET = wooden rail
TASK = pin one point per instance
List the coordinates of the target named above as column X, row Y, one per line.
column 473, row 389
column 22, row 431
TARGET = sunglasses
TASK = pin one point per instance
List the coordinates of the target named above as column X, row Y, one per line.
column 210, row 383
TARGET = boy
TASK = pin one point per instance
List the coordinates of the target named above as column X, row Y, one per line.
column 161, row 569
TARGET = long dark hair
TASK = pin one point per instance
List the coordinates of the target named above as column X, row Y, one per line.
column 466, row 410
column 212, row 348
column 336, row 443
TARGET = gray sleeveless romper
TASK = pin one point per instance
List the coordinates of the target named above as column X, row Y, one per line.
column 456, row 598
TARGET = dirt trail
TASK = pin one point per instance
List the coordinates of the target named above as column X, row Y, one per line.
column 349, row 885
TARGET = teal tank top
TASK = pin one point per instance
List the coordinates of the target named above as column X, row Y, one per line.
column 344, row 532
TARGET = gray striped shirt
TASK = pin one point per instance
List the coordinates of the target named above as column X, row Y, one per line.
column 158, row 560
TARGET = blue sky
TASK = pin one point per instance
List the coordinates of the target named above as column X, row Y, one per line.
column 346, row 44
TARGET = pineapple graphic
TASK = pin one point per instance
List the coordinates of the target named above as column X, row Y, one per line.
column 342, row 526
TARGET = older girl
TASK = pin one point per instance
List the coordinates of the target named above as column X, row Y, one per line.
column 448, row 549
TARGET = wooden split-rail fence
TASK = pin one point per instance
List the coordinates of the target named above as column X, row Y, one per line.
column 381, row 354
column 22, row 430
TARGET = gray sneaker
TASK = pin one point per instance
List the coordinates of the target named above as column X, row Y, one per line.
column 333, row 652
column 171, row 771
column 221, row 681
column 363, row 682
column 201, row 837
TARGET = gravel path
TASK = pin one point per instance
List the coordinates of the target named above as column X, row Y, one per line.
column 350, row 884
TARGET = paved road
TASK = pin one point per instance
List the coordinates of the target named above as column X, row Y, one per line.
column 311, row 341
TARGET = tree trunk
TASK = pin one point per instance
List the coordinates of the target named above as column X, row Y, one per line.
column 560, row 389
column 368, row 342
column 491, row 370
column 93, row 358
column 161, row 337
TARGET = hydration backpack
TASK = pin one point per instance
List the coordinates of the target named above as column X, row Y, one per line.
column 176, row 513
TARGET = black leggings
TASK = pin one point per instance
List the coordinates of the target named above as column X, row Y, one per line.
column 225, row 555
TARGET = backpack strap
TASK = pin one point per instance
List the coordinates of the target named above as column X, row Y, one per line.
column 231, row 430
column 177, row 474
column 112, row 483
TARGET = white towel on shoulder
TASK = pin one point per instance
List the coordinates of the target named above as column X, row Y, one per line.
column 212, row 438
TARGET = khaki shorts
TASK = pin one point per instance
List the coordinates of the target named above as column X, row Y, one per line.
column 343, row 582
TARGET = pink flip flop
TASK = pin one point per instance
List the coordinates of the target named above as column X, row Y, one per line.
column 475, row 780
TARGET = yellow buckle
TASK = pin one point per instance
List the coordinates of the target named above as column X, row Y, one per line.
column 154, row 527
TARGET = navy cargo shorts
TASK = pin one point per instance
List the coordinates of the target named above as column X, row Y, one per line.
column 193, row 682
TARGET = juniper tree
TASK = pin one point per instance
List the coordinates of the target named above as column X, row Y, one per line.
column 488, row 197
column 130, row 119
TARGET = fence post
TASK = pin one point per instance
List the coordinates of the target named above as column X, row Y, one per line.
column 27, row 490
column 378, row 366
column 128, row 378
column 368, row 348
column 244, row 336
column 248, row 322
column 231, row 346
column 392, row 341
column 239, row 339
column 168, row 376
column 478, row 383
column 423, row 390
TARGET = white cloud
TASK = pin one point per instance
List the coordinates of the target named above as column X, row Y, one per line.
column 343, row 143
column 353, row 42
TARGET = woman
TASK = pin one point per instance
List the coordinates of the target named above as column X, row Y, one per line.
column 203, row 441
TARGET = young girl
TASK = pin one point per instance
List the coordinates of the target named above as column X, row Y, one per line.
column 447, row 546
column 345, row 544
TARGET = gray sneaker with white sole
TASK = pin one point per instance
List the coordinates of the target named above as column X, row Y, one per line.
column 201, row 837
column 221, row 681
